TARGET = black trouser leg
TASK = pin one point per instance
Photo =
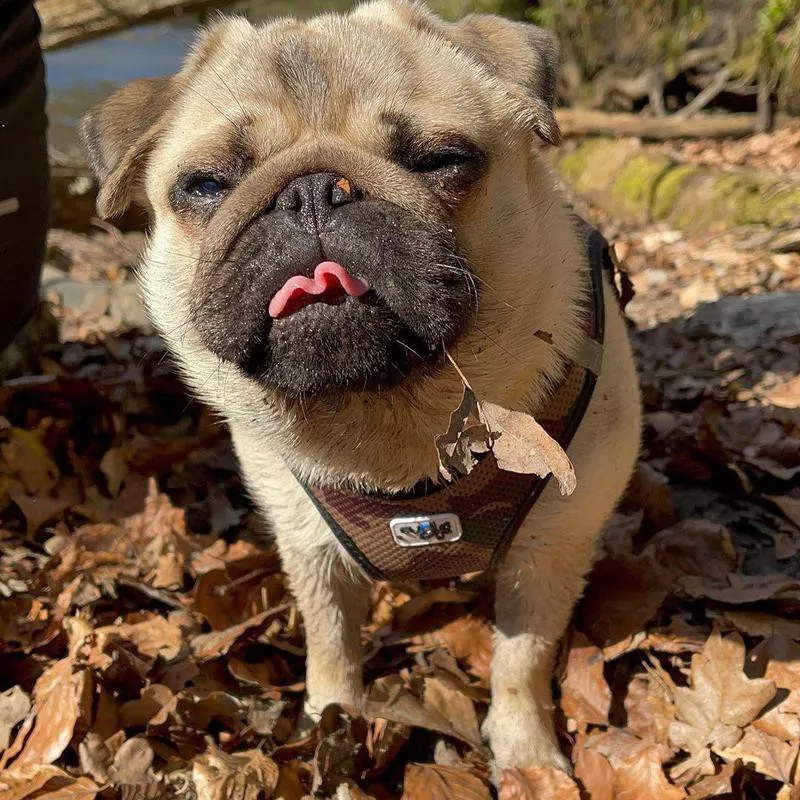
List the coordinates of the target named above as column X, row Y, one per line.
column 24, row 174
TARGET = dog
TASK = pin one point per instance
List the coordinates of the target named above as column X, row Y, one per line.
column 336, row 206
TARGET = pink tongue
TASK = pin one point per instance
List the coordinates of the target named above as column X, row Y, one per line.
column 331, row 281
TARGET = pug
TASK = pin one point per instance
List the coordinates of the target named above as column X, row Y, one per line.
column 336, row 206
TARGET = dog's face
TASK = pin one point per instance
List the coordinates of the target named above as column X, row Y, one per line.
column 317, row 187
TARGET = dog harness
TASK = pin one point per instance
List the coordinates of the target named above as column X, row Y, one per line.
column 467, row 525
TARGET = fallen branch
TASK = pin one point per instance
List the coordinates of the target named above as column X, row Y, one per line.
column 581, row 122
column 65, row 22
column 718, row 84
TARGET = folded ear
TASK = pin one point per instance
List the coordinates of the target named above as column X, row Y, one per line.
column 523, row 56
column 117, row 135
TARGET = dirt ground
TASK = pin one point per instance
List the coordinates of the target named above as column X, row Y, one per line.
column 149, row 646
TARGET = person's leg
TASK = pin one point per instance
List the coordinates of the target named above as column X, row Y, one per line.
column 24, row 175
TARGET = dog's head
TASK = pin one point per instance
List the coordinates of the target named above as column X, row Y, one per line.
column 331, row 197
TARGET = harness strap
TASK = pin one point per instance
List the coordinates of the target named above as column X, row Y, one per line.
column 442, row 531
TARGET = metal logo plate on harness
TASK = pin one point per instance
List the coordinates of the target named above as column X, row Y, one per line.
column 421, row 531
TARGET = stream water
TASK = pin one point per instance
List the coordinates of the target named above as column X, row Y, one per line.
column 83, row 74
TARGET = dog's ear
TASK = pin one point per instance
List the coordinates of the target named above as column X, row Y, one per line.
column 521, row 55
column 117, row 135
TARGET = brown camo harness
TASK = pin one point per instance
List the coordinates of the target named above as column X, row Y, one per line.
column 443, row 531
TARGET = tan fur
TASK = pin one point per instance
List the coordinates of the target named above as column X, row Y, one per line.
column 308, row 96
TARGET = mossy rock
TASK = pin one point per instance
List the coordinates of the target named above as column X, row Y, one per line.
column 669, row 188
column 592, row 166
column 644, row 184
column 634, row 190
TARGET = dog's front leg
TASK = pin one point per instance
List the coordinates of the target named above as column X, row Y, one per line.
column 333, row 599
column 537, row 586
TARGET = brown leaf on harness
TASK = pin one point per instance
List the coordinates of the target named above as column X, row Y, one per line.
column 521, row 444
column 465, row 437
column 518, row 441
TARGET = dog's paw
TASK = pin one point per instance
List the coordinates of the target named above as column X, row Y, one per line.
column 523, row 737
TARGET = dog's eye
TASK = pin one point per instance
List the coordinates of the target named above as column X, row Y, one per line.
column 444, row 158
column 204, row 187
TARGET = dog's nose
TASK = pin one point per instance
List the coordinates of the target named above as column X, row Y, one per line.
column 314, row 198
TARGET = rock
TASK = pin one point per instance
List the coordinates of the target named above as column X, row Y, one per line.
column 747, row 319
column 696, row 293
column 126, row 307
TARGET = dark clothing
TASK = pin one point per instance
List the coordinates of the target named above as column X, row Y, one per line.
column 24, row 173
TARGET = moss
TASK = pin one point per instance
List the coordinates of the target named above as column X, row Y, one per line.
column 575, row 165
column 634, row 189
column 591, row 168
column 669, row 189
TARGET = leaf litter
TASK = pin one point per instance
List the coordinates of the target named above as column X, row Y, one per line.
column 150, row 647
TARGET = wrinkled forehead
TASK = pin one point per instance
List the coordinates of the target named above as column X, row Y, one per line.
column 355, row 79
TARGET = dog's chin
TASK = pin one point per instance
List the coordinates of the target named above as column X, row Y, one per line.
column 331, row 350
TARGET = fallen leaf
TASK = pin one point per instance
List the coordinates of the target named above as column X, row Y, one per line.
column 434, row 782
column 132, row 762
column 389, row 699
column 585, row 696
column 216, row 644
column 594, row 771
column 640, row 776
column 649, row 707
column 14, row 707
column 446, row 698
column 523, row 445
column 60, row 697
column 468, row 639
column 152, row 637
column 789, row 505
column 768, row 754
column 26, row 458
column 45, row 782
column 722, row 699
column 537, row 782
column 247, row 775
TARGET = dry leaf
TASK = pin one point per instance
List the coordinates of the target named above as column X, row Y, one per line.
column 45, row 781
column 523, row 445
column 594, row 771
column 434, row 782
column 467, row 639
column 535, row 783
column 465, row 436
column 389, row 699
column 640, row 776
column 247, row 775
column 216, row 644
column 722, row 700
column 61, row 696
column 649, row 708
column 152, row 637
column 14, row 707
column 585, row 696
column 448, row 700
column 132, row 762
column 768, row 754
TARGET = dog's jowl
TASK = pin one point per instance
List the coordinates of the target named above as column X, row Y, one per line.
column 341, row 209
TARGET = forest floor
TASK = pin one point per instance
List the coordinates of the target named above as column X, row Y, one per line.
column 149, row 646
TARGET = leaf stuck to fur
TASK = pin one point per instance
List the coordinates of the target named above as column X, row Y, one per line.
column 517, row 440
